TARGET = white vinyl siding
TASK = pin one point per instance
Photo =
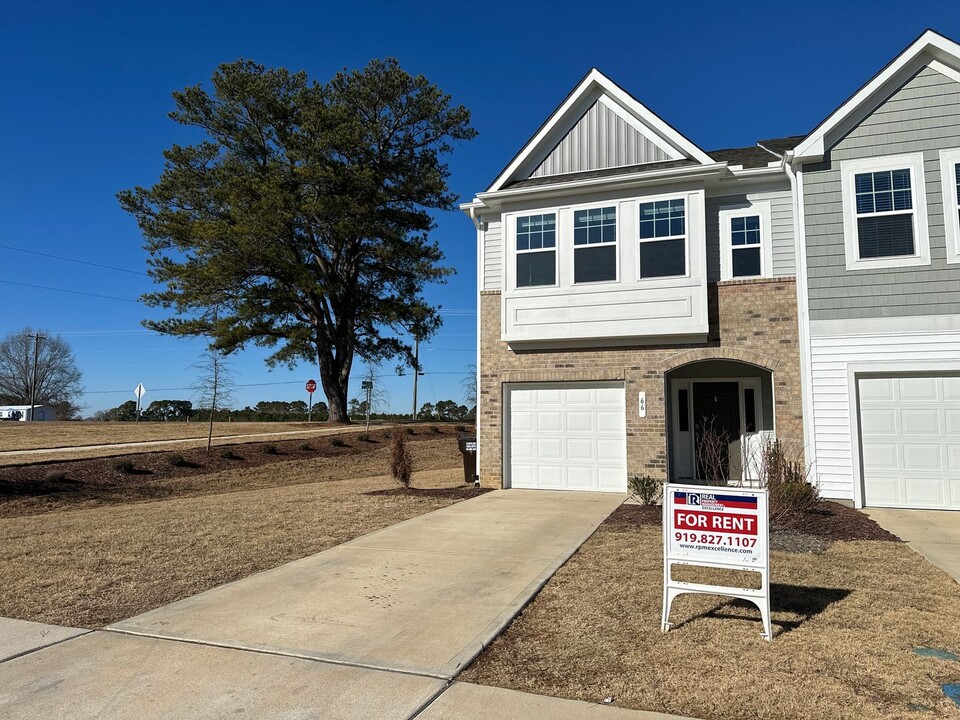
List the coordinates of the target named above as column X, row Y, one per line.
column 950, row 187
column 492, row 256
column 831, row 361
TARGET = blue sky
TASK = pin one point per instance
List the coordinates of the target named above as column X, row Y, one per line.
column 87, row 91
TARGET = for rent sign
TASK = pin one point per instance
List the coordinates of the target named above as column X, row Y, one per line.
column 716, row 527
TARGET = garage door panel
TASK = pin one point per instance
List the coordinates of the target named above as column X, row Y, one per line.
column 610, row 421
column 919, row 457
column 579, row 449
column 521, row 420
column 920, row 389
column 876, row 390
column 923, row 490
column 582, row 477
column 880, row 456
column 876, row 422
column 549, row 421
column 920, row 422
column 567, row 437
column 910, row 441
column 611, row 451
column 580, row 421
column 549, row 449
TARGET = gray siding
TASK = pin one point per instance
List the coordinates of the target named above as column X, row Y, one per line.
column 781, row 230
column 493, row 256
column 922, row 116
column 600, row 139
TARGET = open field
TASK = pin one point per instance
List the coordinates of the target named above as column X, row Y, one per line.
column 846, row 621
column 86, row 561
column 45, row 441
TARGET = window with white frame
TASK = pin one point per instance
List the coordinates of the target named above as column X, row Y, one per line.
column 663, row 238
column 950, row 179
column 885, row 222
column 537, row 250
column 745, row 242
column 595, row 245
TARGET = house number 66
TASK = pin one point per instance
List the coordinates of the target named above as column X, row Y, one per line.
column 643, row 404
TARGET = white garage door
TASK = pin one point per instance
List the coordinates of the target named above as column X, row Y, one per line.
column 566, row 436
column 910, row 440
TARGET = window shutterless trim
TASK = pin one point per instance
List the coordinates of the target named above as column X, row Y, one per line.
column 615, row 243
column 511, row 253
column 849, row 169
column 749, row 209
column 949, row 160
column 648, row 200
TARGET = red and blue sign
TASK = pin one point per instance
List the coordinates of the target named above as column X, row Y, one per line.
column 714, row 501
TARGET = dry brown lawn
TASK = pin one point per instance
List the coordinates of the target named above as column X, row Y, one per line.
column 846, row 623
column 59, row 440
column 91, row 565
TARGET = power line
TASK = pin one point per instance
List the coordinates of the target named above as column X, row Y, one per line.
column 72, row 292
column 73, row 260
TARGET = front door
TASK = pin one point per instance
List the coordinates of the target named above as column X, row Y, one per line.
column 716, row 424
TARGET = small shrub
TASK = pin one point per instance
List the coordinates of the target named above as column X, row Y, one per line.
column 434, row 429
column 401, row 464
column 387, row 435
column 177, row 460
column 791, row 494
column 338, row 442
column 230, row 455
column 411, row 431
column 55, row 476
column 645, row 488
column 307, row 447
column 125, row 466
column 269, row 449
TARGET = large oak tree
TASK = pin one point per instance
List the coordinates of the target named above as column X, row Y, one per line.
column 301, row 221
column 34, row 356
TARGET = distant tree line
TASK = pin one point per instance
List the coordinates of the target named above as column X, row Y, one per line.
column 183, row 411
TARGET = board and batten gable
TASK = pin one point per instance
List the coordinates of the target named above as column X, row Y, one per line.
column 923, row 115
column 602, row 138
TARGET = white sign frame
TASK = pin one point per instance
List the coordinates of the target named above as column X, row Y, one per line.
column 727, row 549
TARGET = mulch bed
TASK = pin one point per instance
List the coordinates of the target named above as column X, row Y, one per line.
column 456, row 493
column 812, row 531
column 80, row 476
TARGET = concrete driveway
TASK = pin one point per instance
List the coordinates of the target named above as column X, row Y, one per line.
column 373, row 628
column 935, row 534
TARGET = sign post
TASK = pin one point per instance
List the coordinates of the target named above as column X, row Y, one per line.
column 716, row 527
column 368, row 386
column 139, row 391
column 311, row 387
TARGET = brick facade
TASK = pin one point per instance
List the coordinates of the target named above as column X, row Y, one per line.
column 752, row 321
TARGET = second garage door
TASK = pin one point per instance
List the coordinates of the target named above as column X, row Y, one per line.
column 566, row 436
column 910, row 441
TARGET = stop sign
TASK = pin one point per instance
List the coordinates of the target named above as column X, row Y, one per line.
column 311, row 385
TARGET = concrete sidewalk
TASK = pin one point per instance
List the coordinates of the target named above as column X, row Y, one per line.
column 935, row 534
column 391, row 617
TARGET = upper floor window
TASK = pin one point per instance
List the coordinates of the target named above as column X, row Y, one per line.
column 595, row 245
column 745, row 243
column 663, row 238
column 950, row 179
column 885, row 212
column 537, row 250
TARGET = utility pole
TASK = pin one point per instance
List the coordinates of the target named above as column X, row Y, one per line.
column 33, row 382
column 213, row 401
column 416, row 372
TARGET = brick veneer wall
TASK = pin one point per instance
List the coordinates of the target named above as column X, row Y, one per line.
column 754, row 321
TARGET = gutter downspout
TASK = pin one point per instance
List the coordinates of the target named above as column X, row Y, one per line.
column 479, row 225
column 790, row 167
